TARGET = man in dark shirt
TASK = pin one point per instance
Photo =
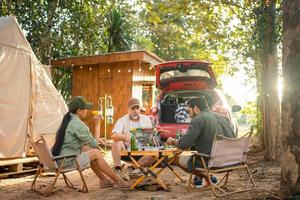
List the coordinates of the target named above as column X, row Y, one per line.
column 201, row 133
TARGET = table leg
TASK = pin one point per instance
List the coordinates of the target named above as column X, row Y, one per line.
column 172, row 169
column 149, row 171
column 139, row 180
column 168, row 164
column 155, row 175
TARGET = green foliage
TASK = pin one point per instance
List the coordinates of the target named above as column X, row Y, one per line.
column 248, row 114
column 60, row 28
column 62, row 79
column 194, row 29
column 78, row 28
column 214, row 30
column 117, row 31
column 249, row 108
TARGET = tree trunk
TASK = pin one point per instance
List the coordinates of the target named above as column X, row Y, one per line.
column 259, row 100
column 290, row 169
column 269, row 60
column 46, row 54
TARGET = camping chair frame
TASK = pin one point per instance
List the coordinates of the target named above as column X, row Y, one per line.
column 57, row 169
column 208, row 171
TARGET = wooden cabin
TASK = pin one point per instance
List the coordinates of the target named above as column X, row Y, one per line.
column 121, row 75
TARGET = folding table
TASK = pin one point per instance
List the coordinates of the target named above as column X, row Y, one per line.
column 164, row 159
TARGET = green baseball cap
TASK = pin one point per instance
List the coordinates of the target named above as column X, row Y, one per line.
column 79, row 102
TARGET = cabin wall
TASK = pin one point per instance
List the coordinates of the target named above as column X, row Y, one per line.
column 115, row 80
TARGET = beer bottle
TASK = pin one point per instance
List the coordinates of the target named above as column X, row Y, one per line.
column 178, row 134
column 133, row 143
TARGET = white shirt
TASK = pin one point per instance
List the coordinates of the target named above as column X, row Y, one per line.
column 124, row 124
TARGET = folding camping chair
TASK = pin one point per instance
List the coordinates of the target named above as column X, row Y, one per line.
column 227, row 154
column 48, row 163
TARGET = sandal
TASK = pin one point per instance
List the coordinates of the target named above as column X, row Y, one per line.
column 121, row 184
column 106, row 184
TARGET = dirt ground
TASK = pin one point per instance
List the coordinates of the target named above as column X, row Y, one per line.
column 266, row 175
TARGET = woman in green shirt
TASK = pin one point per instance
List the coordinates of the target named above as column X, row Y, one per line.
column 73, row 134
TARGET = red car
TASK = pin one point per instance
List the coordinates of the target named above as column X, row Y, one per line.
column 180, row 81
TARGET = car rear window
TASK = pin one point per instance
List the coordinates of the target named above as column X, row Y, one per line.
column 189, row 73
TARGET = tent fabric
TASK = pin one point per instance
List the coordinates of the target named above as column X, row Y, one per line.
column 29, row 102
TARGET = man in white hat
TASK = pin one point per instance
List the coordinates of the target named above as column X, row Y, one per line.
column 121, row 134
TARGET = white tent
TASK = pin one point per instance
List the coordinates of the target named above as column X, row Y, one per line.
column 29, row 103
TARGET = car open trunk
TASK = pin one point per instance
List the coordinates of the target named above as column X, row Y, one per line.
column 184, row 75
column 179, row 81
column 170, row 101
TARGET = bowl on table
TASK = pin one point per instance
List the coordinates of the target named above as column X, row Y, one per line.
column 145, row 135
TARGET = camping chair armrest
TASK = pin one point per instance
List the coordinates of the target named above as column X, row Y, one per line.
column 226, row 138
column 64, row 156
column 200, row 155
column 249, row 134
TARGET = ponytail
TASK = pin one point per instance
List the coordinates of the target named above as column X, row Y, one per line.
column 60, row 134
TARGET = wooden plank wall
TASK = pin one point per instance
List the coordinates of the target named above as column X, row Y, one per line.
column 98, row 81
column 94, row 81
